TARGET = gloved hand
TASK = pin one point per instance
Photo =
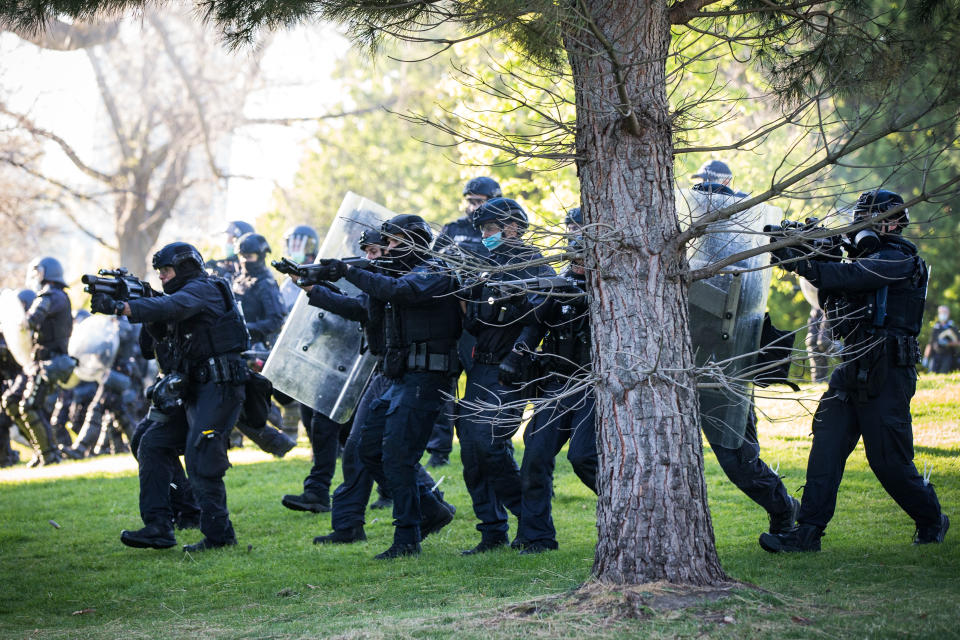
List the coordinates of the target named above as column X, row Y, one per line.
column 102, row 303
column 790, row 259
column 510, row 369
column 335, row 269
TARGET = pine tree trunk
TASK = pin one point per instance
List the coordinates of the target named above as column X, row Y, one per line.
column 652, row 513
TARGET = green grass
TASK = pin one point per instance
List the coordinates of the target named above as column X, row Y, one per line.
column 868, row 582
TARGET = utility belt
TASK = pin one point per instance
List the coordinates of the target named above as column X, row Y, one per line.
column 486, row 357
column 229, row 369
column 420, row 357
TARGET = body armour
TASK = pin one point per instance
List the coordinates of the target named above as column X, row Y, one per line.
column 566, row 346
column 259, row 297
column 51, row 319
column 218, row 329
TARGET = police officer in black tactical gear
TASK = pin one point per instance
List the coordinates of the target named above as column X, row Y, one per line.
column 259, row 298
column 229, row 266
column 875, row 305
column 196, row 332
column 351, row 497
column 463, row 236
column 422, row 324
column 566, row 411
column 51, row 321
column 489, row 469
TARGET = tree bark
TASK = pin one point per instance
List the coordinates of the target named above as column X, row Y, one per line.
column 652, row 514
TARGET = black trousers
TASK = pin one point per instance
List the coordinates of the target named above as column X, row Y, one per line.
column 749, row 473
column 884, row 423
column 393, row 437
column 199, row 430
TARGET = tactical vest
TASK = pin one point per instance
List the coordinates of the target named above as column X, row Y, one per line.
column 207, row 334
column 422, row 337
column 53, row 334
column 569, row 337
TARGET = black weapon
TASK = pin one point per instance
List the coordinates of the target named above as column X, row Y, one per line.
column 829, row 248
column 317, row 273
column 561, row 287
column 118, row 284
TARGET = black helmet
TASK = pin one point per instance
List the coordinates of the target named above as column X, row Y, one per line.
column 574, row 216
column 410, row 228
column 714, row 171
column 371, row 236
column 872, row 203
column 178, row 255
column 26, row 296
column 500, row 210
column 48, row 270
column 253, row 243
column 483, row 186
column 237, row 228
column 304, row 235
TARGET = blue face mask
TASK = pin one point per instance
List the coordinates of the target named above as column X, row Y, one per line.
column 494, row 241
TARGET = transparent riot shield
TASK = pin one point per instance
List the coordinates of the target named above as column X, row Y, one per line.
column 15, row 331
column 319, row 358
column 726, row 310
column 94, row 343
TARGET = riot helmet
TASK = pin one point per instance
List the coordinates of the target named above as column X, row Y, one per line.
column 235, row 229
column 45, row 270
column 503, row 211
column 373, row 241
column 185, row 260
column 483, row 186
column 715, row 171
column 413, row 235
column 574, row 218
column 301, row 243
column 253, row 243
column 26, row 297
column 873, row 203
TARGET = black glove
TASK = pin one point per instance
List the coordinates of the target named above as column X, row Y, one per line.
column 102, row 303
column 791, row 259
column 335, row 269
column 510, row 369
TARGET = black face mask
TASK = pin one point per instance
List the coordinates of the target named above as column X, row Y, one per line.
column 185, row 272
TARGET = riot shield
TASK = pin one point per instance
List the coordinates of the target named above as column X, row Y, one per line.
column 726, row 310
column 15, row 330
column 319, row 358
column 94, row 344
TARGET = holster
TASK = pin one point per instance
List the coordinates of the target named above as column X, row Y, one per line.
column 906, row 351
column 421, row 358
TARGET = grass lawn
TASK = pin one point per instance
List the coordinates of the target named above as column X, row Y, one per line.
column 77, row 581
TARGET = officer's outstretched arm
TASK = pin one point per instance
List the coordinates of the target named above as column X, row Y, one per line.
column 864, row 274
column 344, row 306
column 176, row 307
column 412, row 288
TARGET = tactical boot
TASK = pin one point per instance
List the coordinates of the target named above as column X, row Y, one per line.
column 532, row 548
column 486, row 544
column 206, row 544
column 149, row 537
column 398, row 550
column 74, row 453
column 519, row 543
column 804, row 537
column 439, row 520
column 382, row 503
column 342, row 536
column 784, row 522
column 307, row 501
column 438, row 460
column 928, row 535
